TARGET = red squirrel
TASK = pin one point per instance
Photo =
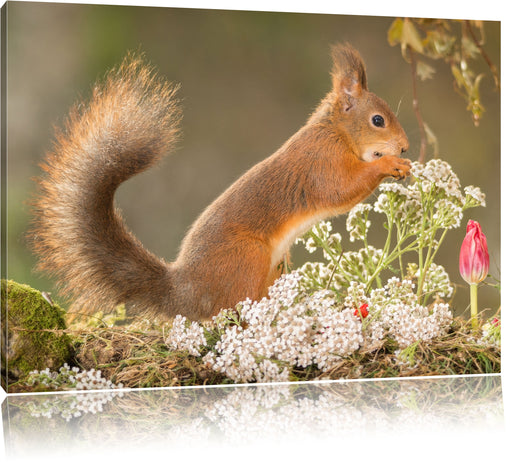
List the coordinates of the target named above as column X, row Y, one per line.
column 236, row 247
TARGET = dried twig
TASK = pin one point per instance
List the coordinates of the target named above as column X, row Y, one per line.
column 416, row 107
column 488, row 60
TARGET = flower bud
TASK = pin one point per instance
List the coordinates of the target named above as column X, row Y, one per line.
column 474, row 256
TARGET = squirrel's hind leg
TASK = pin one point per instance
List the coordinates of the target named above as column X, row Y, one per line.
column 239, row 273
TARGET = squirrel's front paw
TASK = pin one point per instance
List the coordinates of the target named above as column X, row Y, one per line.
column 395, row 166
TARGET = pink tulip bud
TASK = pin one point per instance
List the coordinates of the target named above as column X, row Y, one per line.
column 474, row 256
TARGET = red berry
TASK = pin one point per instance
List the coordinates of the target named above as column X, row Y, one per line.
column 362, row 311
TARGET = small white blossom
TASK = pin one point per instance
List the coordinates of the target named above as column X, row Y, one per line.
column 437, row 281
column 310, row 245
column 474, row 196
column 448, row 214
column 399, row 315
column 357, row 221
column 437, row 175
column 71, row 378
column 186, row 337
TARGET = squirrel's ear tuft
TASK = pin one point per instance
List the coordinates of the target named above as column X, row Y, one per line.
column 348, row 71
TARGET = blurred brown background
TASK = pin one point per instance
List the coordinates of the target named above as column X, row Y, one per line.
column 248, row 81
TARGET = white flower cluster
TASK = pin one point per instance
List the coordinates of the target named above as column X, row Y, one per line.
column 357, row 221
column 436, row 186
column 394, row 311
column 437, row 281
column 359, row 265
column 321, row 234
column 401, row 203
column 448, row 214
column 71, row 378
column 437, row 175
column 185, row 335
column 322, row 230
column 408, row 324
column 285, row 331
column 292, row 330
column 474, row 196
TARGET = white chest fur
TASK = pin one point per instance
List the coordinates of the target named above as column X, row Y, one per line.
column 294, row 229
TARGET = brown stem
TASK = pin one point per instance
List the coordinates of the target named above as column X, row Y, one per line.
column 480, row 47
column 416, row 107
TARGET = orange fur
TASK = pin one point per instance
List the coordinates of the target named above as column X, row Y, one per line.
column 234, row 248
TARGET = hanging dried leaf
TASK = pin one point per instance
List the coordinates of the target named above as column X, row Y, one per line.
column 424, row 71
column 411, row 37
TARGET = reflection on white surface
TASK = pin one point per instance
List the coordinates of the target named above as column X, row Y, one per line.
column 385, row 416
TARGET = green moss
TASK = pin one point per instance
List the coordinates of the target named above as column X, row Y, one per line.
column 32, row 332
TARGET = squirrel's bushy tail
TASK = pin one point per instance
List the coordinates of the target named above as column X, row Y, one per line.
column 130, row 122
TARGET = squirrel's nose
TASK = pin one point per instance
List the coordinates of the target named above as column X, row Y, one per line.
column 405, row 145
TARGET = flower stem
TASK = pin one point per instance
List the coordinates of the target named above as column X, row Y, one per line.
column 474, row 306
column 431, row 253
column 383, row 258
column 321, row 243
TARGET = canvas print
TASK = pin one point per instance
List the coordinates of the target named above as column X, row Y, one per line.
column 203, row 197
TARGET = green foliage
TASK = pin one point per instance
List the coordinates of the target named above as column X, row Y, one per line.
column 457, row 43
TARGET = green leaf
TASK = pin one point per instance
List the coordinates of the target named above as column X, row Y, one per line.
column 395, row 32
column 469, row 48
column 411, row 36
column 403, row 32
column 476, row 86
column 439, row 44
column 459, row 77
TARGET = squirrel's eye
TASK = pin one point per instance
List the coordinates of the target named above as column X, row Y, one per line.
column 378, row 120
